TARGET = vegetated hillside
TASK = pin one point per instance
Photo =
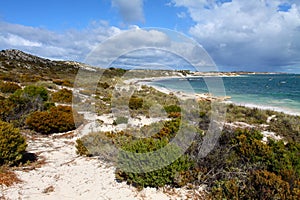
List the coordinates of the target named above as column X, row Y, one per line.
column 17, row 66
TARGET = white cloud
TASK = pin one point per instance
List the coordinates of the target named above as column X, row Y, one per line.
column 150, row 47
column 130, row 10
column 247, row 33
column 69, row 45
column 15, row 40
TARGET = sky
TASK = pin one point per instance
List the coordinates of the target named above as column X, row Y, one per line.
column 238, row 35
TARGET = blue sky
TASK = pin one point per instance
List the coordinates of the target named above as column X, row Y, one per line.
column 256, row 35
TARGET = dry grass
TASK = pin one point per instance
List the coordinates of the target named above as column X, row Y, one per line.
column 8, row 177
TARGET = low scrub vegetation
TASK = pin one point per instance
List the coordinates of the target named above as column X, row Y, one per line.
column 55, row 120
column 62, row 96
column 9, row 87
column 12, row 144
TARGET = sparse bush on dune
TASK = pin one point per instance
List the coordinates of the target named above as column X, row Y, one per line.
column 12, row 144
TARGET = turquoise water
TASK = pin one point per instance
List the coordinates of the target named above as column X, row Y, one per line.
column 279, row 92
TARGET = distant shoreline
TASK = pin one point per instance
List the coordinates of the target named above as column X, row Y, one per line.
column 203, row 96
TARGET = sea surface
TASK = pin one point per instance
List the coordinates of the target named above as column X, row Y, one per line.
column 280, row 92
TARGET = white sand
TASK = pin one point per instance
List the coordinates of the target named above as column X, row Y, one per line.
column 69, row 176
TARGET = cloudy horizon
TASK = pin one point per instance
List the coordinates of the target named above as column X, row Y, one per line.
column 258, row 35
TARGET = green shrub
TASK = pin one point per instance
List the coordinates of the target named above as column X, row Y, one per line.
column 32, row 91
column 12, row 144
column 9, row 87
column 57, row 119
column 63, row 96
column 22, row 102
column 157, row 178
column 135, row 103
column 120, row 120
column 172, row 108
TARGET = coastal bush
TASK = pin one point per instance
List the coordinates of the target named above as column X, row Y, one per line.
column 174, row 111
column 62, row 96
column 172, row 108
column 9, row 87
column 33, row 91
column 135, row 103
column 12, row 144
column 120, row 120
column 156, row 178
column 22, row 102
column 55, row 120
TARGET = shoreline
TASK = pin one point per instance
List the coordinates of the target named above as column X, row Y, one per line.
column 203, row 96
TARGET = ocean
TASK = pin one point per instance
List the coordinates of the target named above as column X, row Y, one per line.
column 280, row 92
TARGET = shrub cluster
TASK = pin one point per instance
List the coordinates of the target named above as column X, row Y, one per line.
column 9, row 87
column 120, row 120
column 56, row 119
column 243, row 167
column 22, row 102
column 152, row 178
column 135, row 103
column 62, row 96
column 12, row 144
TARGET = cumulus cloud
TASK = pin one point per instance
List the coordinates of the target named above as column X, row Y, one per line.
column 151, row 47
column 69, row 45
column 251, row 35
column 130, row 11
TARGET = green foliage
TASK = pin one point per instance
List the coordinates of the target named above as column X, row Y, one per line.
column 9, row 87
column 135, row 103
column 174, row 111
column 22, row 102
column 155, row 178
column 172, row 108
column 62, row 96
column 57, row 119
column 241, row 166
column 12, row 144
column 32, row 91
column 120, row 120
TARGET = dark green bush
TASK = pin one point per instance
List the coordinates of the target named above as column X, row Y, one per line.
column 172, row 108
column 32, row 91
column 157, row 178
column 22, row 102
column 12, row 144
